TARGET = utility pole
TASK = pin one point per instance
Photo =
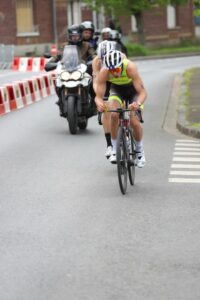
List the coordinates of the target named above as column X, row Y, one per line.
column 55, row 22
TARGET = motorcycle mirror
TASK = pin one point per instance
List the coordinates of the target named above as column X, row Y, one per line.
column 50, row 66
column 47, row 55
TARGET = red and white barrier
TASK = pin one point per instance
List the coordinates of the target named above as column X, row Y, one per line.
column 23, row 64
column 22, row 93
column 42, row 87
column 35, row 64
column 4, row 101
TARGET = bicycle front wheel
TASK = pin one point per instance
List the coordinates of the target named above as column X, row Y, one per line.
column 122, row 164
column 131, row 158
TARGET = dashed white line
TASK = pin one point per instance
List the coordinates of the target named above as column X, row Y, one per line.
column 188, row 144
column 184, row 166
column 186, row 158
column 186, row 153
column 187, row 141
column 186, row 149
column 191, row 173
column 184, row 180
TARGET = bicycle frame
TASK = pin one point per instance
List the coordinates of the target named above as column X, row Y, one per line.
column 125, row 153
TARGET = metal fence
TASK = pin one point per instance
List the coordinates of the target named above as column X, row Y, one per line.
column 6, row 56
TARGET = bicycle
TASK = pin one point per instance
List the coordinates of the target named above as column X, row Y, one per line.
column 125, row 151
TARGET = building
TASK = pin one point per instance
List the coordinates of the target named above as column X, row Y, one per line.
column 33, row 25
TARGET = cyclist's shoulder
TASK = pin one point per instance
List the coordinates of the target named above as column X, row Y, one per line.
column 103, row 74
column 130, row 65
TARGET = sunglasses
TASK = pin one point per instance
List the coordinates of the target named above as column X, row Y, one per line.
column 116, row 70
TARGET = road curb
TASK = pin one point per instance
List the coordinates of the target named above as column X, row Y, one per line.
column 182, row 123
column 163, row 56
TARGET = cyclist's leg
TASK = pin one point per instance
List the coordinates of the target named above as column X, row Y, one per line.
column 105, row 115
column 106, row 123
column 114, row 102
column 137, row 128
column 106, row 119
column 138, row 136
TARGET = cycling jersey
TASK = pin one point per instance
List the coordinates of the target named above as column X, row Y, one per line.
column 123, row 78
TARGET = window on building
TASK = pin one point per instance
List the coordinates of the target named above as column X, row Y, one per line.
column 133, row 24
column 25, row 21
column 74, row 12
column 171, row 17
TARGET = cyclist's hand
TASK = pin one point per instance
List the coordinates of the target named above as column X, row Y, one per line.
column 100, row 106
column 133, row 106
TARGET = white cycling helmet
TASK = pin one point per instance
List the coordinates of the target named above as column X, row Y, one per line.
column 104, row 47
column 105, row 30
column 113, row 59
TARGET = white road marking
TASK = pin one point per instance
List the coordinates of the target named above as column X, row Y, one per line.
column 187, row 153
column 188, row 144
column 192, row 173
column 187, row 141
column 186, row 149
column 184, row 166
column 184, row 180
column 186, row 156
column 186, row 159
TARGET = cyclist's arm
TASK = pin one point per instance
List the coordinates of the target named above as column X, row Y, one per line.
column 101, row 89
column 133, row 73
column 95, row 70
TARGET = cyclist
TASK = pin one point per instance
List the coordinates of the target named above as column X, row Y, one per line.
column 88, row 33
column 103, row 48
column 126, row 84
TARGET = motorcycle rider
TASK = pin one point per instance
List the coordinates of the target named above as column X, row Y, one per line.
column 85, row 51
column 106, row 34
column 116, row 36
column 88, row 33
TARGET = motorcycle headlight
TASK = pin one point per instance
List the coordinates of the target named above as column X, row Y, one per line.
column 65, row 76
column 76, row 75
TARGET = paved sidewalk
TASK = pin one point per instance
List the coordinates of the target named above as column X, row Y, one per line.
column 188, row 116
column 188, row 119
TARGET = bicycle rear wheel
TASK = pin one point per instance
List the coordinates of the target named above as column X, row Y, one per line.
column 122, row 164
column 131, row 159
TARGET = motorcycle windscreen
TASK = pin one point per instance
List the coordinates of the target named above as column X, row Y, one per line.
column 70, row 57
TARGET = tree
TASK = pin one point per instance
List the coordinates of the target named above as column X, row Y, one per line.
column 197, row 8
column 116, row 8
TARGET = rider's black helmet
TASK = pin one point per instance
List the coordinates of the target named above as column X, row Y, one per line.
column 75, row 35
column 115, row 35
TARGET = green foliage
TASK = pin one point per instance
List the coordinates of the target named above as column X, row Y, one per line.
column 136, row 50
column 197, row 12
column 186, row 46
column 195, row 125
column 130, row 7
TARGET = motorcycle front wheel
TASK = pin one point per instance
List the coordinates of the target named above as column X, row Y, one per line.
column 83, row 124
column 72, row 115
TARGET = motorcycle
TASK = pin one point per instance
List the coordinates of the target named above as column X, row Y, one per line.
column 73, row 84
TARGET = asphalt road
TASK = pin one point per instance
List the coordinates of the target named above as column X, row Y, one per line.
column 66, row 231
